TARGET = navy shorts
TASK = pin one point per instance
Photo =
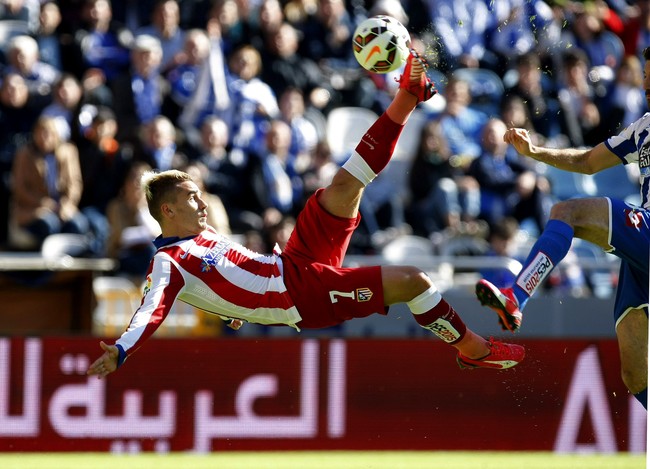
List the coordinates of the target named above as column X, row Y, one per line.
column 630, row 237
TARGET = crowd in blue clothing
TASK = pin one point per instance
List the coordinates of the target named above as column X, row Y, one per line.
column 241, row 91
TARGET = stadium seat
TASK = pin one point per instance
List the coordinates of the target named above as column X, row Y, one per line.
column 599, row 267
column 615, row 182
column 64, row 244
column 345, row 127
column 117, row 299
column 409, row 140
column 567, row 185
column 407, row 246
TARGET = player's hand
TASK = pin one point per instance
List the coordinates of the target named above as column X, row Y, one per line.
column 105, row 364
column 520, row 139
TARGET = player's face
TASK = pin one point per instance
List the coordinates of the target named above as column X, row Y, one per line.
column 189, row 210
column 646, row 82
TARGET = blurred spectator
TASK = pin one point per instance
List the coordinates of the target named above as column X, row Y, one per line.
column 133, row 14
column 217, row 215
column 184, row 77
column 514, row 113
column 326, row 35
column 266, row 19
column 46, row 184
column 47, row 36
column 321, row 170
column 515, row 27
column 304, row 133
column 284, row 68
column 589, row 34
column 253, row 101
column 461, row 124
column 102, row 161
column 538, row 91
column 508, row 187
column 234, row 29
column 23, row 59
column 18, row 114
column 102, row 43
column 625, row 98
column 25, row 11
column 442, row 195
column 297, row 12
column 278, row 234
column 636, row 31
column 580, row 99
column 158, row 146
column 138, row 93
column 502, row 240
column 65, row 106
column 278, row 185
column 165, row 26
column 254, row 241
column 226, row 178
column 132, row 228
column 461, row 27
column 325, row 39
column 201, row 82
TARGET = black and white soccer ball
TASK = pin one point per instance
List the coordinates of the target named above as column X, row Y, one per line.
column 381, row 44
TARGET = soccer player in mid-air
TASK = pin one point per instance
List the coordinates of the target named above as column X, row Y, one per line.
column 616, row 226
column 305, row 286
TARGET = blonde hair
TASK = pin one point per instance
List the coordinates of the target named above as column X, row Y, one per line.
column 160, row 187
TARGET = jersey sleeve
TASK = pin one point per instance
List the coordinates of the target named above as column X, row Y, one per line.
column 163, row 284
column 624, row 145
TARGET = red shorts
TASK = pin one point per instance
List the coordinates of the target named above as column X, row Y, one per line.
column 325, row 293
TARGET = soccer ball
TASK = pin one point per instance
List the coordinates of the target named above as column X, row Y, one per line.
column 381, row 44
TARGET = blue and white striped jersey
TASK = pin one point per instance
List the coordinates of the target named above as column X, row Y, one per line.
column 632, row 145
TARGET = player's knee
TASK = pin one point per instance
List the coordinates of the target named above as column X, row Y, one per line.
column 417, row 281
column 634, row 376
column 563, row 211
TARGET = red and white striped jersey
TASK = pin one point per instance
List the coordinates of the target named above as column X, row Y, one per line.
column 215, row 274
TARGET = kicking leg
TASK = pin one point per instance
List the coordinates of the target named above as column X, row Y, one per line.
column 372, row 154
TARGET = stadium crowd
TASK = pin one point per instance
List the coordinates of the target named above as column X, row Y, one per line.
column 238, row 93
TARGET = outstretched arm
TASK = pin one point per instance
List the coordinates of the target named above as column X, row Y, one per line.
column 105, row 364
column 586, row 161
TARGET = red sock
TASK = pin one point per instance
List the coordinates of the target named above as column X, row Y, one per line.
column 377, row 145
column 443, row 321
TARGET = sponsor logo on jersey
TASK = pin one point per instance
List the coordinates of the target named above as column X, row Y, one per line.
column 364, row 294
column 214, row 255
column 530, row 278
column 644, row 157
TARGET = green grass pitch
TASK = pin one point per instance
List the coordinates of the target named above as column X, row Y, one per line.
column 324, row 460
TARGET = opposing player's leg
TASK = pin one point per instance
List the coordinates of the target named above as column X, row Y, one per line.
column 587, row 219
column 632, row 333
column 342, row 197
column 404, row 284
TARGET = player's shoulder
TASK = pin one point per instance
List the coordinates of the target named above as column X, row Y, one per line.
column 642, row 124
